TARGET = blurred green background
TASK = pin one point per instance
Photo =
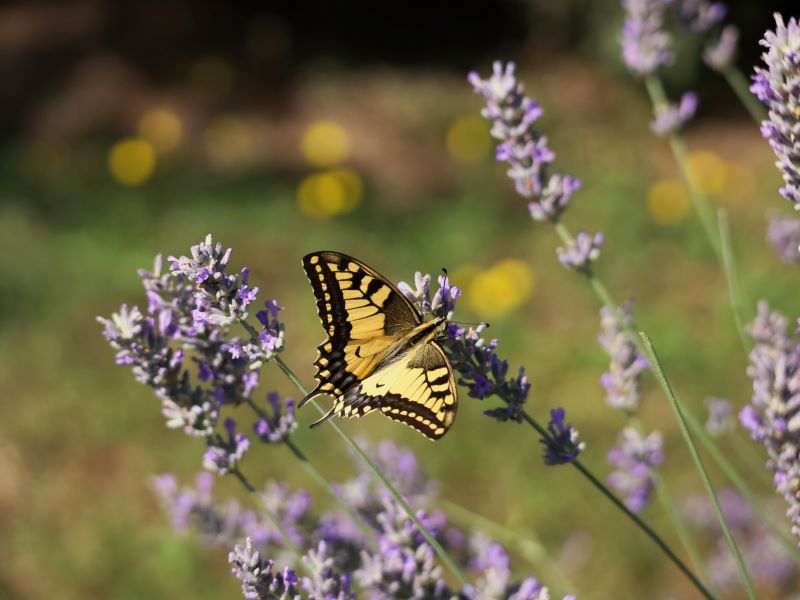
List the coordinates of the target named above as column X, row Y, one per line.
column 134, row 129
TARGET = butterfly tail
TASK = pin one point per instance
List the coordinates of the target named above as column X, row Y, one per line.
column 309, row 396
column 327, row 416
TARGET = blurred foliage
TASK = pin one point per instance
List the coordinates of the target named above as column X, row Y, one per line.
column 124, row 154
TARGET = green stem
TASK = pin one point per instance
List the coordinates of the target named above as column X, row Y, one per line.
column 298, row 555
column 738, row 83
column 316, row 475
column 730, row 472
column 655, row 366
column 648, row 531
column 437, row 547
column 531, row 550
column 734, row 291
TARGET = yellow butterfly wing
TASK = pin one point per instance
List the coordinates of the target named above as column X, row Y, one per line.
column 362, row 313
column 418, row 390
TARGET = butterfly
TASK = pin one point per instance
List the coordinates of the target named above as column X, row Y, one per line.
column 379, row 354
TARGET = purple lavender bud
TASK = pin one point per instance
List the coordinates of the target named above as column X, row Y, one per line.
column 257, row 577
column 563, row 446
column 773, row 417
column 784, row 235
column 646, row 46
column 220, row 298
column 777, row 87
column 277, row 427
column 700, row 16
column 325, row 582
column 420, row 294
column 581, row 251
column 444, row 299
column 670, row 118
column 721, row 54
column 521, row 146
column 223, row 456
column 720, row 416
column 622, row 381
column 635, row 457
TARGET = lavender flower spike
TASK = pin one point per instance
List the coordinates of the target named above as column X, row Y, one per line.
column 276, row 428
column 773, row 417
column 646, row 46
column 784, row 235
column 259, row 582
column 521, row 146
column 778, row 86
column 635, row 457
column 669, row 117
column 223, row 455
column 721, row 54
column 581, row 251
column 700, row 16
column 622, row 380
column 563, row 446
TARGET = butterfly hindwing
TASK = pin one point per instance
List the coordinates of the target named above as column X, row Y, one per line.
column 361, row 312
column 418, row 390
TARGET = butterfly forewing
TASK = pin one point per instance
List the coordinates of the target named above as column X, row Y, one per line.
column 361, row 312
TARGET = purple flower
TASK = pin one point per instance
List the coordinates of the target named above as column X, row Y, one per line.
column 784, row 235
column 562, row 446
column 581, row 251
column 325, row 582
column 420, row 294
column 635, row 457
column 773, row 417
column 220, row 298
column 700, row 16
column 223, row 455
column 257, row 577
column 277, row 427
column 720, row 416
column 622, row 381
column 777, row 86
column 646, row 46
column 521, row 146
column 721, row 54
column 670, row 118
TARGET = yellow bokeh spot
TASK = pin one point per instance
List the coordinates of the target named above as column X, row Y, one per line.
column 325, row 144
column 668, row 201
column 709, row 172
column 741, row 182
column 162, row 128
column 500, row 289
column 132, row 161
column 228, row 141
column 330, row 193
column 468, row 140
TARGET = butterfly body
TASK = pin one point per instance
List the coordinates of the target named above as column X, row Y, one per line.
column 379, row 353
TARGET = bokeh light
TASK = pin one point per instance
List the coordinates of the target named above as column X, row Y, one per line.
column 325, row 144
column 228, row 142
column 132, row 161
column 710, row 172
column 501, row 288
column 668, row 201
column 161, row 127
column 330, row 193
column 468, row 140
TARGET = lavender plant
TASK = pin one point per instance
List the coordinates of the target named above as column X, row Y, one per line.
column 776, row 86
